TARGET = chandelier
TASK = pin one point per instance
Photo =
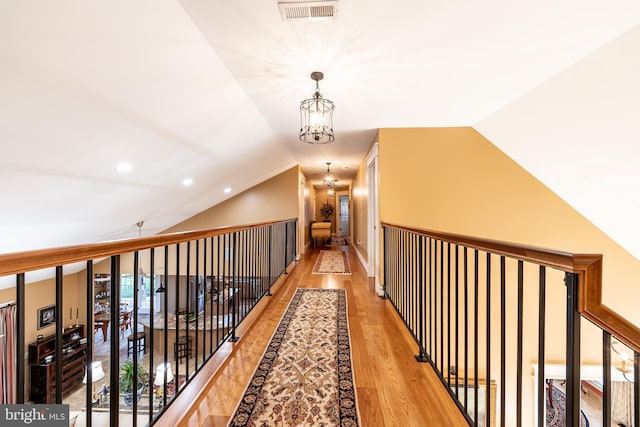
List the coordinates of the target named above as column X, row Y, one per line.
column 316, row 116
column 329, row 180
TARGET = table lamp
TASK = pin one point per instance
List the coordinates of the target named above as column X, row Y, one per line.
column 163, row 371
column 164, row 375
column 96, row 374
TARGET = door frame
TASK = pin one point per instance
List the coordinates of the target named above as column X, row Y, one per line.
column 337, row 203
column 373, row 219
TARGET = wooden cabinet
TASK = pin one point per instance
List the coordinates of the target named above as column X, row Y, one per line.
column 43, row 359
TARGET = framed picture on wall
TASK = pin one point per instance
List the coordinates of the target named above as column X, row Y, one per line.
column 46, row 316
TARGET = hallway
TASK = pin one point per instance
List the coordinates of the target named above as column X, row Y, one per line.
column 392, row 388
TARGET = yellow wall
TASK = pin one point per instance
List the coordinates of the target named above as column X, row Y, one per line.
column 359, row 210
column 454, row 180
column 271, row 200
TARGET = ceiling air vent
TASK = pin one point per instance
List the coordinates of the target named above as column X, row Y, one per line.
column 309, row 11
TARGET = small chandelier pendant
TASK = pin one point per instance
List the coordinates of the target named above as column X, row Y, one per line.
column 316, row 116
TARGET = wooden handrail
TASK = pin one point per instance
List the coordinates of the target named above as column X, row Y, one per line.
column 588, row 267
column 21, row 262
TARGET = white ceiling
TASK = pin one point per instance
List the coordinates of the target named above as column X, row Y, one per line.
column 210, row 90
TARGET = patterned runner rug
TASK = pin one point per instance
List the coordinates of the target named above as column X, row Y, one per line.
column 332, row 262
column 305, row 376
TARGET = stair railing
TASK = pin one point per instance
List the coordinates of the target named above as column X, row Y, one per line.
column 222, row 273
column 486, row 314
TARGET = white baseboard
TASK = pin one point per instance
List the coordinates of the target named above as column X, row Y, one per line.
column 360, row 257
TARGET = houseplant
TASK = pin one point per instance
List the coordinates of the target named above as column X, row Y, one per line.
column 326, row 210
column 126, row 380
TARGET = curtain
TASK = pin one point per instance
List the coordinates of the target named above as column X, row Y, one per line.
column 7, row 355
column 622, row 402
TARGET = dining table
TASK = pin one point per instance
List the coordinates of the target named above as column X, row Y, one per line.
column 104, row 318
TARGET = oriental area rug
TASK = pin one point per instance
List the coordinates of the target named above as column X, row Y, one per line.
column 556, row 407
column 332, row 262
column 305, row 376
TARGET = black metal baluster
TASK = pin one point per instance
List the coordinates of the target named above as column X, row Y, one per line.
column 20, row 333
column 541, row 345
column 136, row 279
column 487, row 411
column 421, row 357
column 606, row 378
column 234, row 338
column 89, row 354
column 573, row 350
column 114, row 365
column 457, row 327
column 636, row 388
column 449, row 314
column 475, row 336
column 177, row 312
column 197, row 308
column 269, row 240
column 59, row 331
column 441, row 308
column 466, row 327
column 152, row 311
column 503, row 341
column 519, row 345
column 188, row 310
column 165, row 330
column 430, row 325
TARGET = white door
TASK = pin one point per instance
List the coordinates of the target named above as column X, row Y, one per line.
column 344, row 216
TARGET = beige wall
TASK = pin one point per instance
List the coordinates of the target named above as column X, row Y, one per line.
column 42, row 294
column 454, row 180
column 272, row 200
column 309, row 205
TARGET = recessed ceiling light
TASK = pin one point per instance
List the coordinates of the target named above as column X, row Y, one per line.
column 124, row 167
column 187, row 182
column 227, row 190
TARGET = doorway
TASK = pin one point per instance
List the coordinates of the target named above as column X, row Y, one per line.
column 343, row 223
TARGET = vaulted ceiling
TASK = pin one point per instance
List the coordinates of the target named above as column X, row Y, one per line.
column 209, row 90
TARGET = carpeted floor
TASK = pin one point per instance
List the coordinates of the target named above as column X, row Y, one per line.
column 332, row 262
column 305, row 375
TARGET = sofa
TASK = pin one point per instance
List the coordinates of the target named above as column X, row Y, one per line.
column 320, row 230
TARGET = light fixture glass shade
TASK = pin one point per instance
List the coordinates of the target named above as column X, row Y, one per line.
column 329, row 179
column 162, row 371
column 316, row 117
column 96, row 372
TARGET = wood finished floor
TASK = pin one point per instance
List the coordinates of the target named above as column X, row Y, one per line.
column 392, row 388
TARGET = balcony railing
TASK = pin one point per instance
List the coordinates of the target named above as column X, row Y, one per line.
column 493, row 317
column 195, row 287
